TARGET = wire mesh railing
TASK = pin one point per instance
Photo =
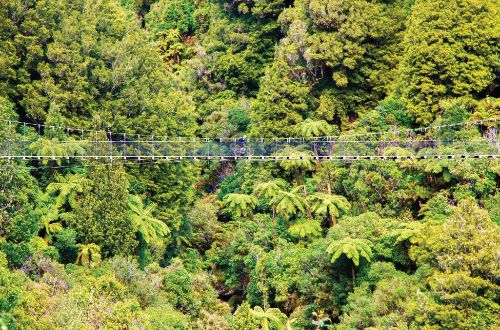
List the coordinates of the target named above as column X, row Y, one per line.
column 20, row 140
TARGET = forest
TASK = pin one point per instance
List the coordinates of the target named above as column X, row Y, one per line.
column 289, row 244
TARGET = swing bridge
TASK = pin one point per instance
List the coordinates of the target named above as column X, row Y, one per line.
column 23, row 141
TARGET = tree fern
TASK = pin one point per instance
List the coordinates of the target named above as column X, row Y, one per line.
column 407, row 232
column 239, row 205
column 289, row 202
column 49, row 223
column 66, row 188
column 297, row 162
column 300, row 160
column 330, row 205
column 148, row 228
column 305, row 228
column 353, row 249
column 311, row 128
column 271, row 317
column 143, row 221
column 269, row 189
column 89, row 255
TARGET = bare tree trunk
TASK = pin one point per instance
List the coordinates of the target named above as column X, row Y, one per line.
column 353, row 276
column 329, row 184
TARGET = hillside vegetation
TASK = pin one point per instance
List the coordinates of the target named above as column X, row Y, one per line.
column 291, row 244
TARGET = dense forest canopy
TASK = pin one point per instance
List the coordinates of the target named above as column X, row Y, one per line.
column 293, row 244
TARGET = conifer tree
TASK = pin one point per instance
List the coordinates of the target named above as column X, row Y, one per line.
column 451, row 49
column 282, row 101
column 102, row 213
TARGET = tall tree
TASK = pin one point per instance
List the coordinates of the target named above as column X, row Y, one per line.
column 148, row 228
column 101, row 215
column 239, row 205
column 463, row 254
column 330, row 205
column 282, row 101
column 89, row 255
column 451, row 49
column 290, row 202
column 353, row 249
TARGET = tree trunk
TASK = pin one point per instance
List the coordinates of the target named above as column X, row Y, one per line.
column 329, row 184
column 142, row 251
column 301, row 183
column 333, row 220
column 275, row 224
column 298, row 178
column 353, row 276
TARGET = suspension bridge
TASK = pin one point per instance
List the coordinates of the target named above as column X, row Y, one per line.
column 25, row 141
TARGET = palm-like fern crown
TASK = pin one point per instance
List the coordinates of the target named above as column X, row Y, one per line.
column 269, row 317
column 151, row 229
column 325, row 204
column 305, row 228
column 67, row 188
column 49, row 221
column 352, row 248
column 408, row 232
column 299, row 159
column 289, row 202
column 89, row 255
column 312, row 128
column 269, row 189
column 240, row 205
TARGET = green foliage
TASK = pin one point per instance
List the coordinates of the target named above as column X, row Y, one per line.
column 305, row 228
column 178, row 286
column 271, row 318
column 238, row 117
column 66, row 189
column 243, row 319
column 151, row 229
column 49, row 223
column 330, row 205
column 89, row 255
column 269, row 189
column 172, row 49
column 310, row 128
column 19, row 223
column 11, row 286
column 223, row 245
column 170, row 186
column 165, row 317
column 352, row 248
column 388, row 305
column 289, row 203
column 450, row 50
column 282, row 101
column 259, row 8
column 101, row 216
column 300, row 161
column 165, row 15
column 461, row 253
column 92, row 60
column 65, row 242
column 239, row 205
